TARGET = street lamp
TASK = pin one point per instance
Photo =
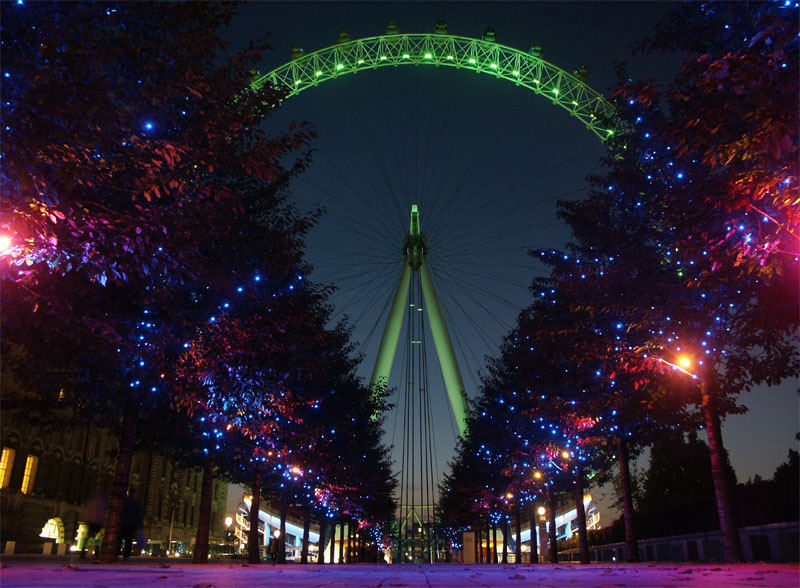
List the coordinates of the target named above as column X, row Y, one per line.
column 228, row 532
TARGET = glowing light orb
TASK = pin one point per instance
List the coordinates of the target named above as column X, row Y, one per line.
column 684, row 362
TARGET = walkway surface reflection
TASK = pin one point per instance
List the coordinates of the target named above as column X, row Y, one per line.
column 19, row 574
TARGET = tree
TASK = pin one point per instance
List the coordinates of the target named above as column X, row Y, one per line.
column 677, row 490
column 726, row 186
column 745, row 57
column 131, row 142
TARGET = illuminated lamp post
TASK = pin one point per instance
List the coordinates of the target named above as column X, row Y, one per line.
column 551, row 511
column 709, row 392
column 228, row 531
column 535, row 542
column 542, row 526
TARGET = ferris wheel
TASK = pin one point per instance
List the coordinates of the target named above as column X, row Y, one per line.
column 430, row 208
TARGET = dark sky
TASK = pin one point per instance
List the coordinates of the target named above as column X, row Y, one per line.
column 484, row 160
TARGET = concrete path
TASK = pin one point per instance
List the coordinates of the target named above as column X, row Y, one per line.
column 39, row 575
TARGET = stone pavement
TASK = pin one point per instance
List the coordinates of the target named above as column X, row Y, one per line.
column 22, row 574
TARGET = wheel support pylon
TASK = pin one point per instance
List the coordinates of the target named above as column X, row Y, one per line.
column 415, row 260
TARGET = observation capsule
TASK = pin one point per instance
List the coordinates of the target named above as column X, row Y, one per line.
column 344, row 36
column 489, row 35
column 297, row 51
column 581, row 73
column 440, row 28
column 536, row 50
column 391, row 28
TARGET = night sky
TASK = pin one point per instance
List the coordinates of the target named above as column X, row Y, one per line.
column 486, row 162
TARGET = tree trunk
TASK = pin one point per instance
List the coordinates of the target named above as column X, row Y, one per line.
column 478, row 539
column 282, row 530
column 505, row 539
column 518, row 546
column 306, row 530
column 348, row 556
column 485, row 548
column 494, row 543
column 551, row 532
column 253, row 546
column 323, row 528
column 477, row 549
column 534, row 534
column 341, row 540
column 731, row 547
column 109, row 550
column 631, row 546
column 200, row 555
column 583, row 539
column 350, row 543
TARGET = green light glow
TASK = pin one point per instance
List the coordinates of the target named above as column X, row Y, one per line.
column 475, row 54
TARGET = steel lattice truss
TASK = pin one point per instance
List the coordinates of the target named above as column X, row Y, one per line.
column 523, row 69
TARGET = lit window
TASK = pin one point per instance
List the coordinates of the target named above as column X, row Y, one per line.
column 31, row 464
column 6, row 463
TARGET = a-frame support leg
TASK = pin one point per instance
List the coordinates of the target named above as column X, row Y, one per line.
column 391, row 332
column 444, row 349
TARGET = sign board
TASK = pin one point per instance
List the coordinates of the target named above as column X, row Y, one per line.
column 468, row 542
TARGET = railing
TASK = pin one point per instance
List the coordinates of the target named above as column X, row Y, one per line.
column 778, row 542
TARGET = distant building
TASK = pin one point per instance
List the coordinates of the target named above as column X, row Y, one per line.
column 566, row 526
column 46, row 477
column 269, row 530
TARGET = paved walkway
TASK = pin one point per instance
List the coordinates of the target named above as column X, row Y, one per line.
column 39, row 575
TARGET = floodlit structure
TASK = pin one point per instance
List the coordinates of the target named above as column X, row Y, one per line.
column 417, row 538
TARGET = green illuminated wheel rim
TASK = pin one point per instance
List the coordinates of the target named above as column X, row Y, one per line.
column 529, row 70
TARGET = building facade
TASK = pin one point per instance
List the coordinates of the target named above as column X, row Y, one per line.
column 46, row 478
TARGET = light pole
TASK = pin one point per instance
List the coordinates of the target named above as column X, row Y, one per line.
column 542, row 527
column 228, row 532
